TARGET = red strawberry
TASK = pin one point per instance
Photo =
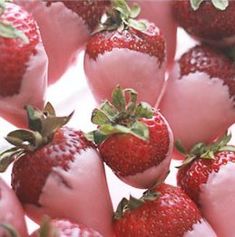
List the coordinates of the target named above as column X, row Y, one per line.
column 66, row 23
column 54, row 161
column 12, row 215
column 133, row 139
column 206, row 176
column 24, row 63
column 63, row 228
column 163, row 211
column 127, row 52
column 199, row 98
column 210, row 21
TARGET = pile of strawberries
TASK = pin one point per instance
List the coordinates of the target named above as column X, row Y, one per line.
column 152, row 109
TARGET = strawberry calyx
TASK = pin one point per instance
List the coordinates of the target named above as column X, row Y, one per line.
column 42, row 127
column 126, row 205
column 204, row 151
column 218, row 4
column 9, row 229
column 121, row 116
column 121, row 17
column 7, row 30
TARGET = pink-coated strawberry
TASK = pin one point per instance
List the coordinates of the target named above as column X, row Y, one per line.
column 160, row 13
column 164, row 210
column 209, row 21
column 12, row 214
column 199, row 98
column 65, row 27
column 63, row 228
column 56, row 167
column 134, row 140
column 127, row 52
column 207, row 176
column 23, row 74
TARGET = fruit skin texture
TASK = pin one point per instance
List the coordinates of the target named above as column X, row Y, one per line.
column 201, row 58
column 129, row 58
column 127, row 154
column 23, row 77
column 192, row 176
column 65, row 228
column 11, row 211
column 201, row 80
column 15, row 53
column 207, row 23
column 160, row 13
column 68, row 23
column 65, row 146
column 171, row 214
column 150, row 42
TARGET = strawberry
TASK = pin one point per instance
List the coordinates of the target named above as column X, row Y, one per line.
column 22, row 54
column 204, row 176
column 63, row 228
column 12, row 214
column 59, row 161
column 134, row 140
column 68, row 23
column 200, row 92
column 127, row 52
column 160, row 13
column 162, row 211
column 209, row 21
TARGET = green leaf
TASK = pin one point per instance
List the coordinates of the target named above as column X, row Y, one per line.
column 134, row 203
column 135, row 11
column 25, row 139
column 47, row 229
column 108, row 129
column 195, row 4
column 132, row 98
column 49, row 110
column 122, row 7
column 140, row 130
column 121, row 208
column 220, row 4
column 118, row 99
column 137, row 24
column 109, row 109
column 6, row 158
column 144, row 110
column 228, row 148
column 179, row 146
column 95, row 136
column 98, row 117
column 34, row 118
column 8, row 31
